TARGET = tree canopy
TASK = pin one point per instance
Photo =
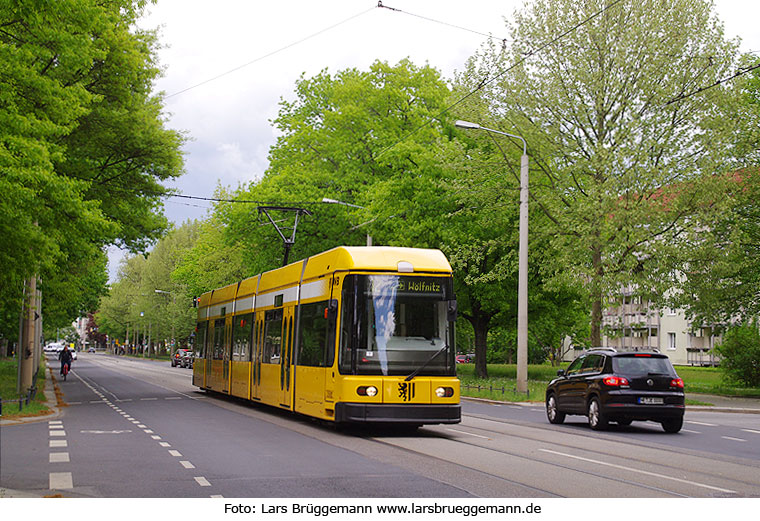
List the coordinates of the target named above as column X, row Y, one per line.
column 624, row 145
column 83, row 148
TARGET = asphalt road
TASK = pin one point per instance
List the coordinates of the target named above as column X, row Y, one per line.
column 134, row 428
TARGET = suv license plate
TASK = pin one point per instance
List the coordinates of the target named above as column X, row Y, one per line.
column 651, row 401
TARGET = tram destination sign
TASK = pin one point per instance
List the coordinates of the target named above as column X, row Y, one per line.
column 419, row 285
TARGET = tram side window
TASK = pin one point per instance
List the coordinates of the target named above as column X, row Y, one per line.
column 241, row 338
column 272, row 337
column 200, row 340
column 313, row 335
column 218, row 353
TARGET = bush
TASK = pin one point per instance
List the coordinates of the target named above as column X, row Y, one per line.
column 740, row 354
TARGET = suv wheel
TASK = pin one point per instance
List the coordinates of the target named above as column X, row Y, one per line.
column 596, row 418
column 673, row 425
column 552, row 413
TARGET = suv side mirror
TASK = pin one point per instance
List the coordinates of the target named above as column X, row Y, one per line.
column 561, row 372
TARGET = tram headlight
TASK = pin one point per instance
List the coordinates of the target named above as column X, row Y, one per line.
column 444, row 392
column 367, row 390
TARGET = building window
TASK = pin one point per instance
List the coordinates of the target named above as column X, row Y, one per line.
column 671, row 340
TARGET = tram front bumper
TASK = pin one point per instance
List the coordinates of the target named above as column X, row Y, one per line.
column 397, row 413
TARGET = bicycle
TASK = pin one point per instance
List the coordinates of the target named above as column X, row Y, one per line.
column 65, row 371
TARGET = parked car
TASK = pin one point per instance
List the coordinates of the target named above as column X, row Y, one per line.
column 622, row 387
column 461, row 359
column 177, row 357
column 187, row 358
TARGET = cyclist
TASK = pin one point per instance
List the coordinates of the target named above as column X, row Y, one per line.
column 65, row 358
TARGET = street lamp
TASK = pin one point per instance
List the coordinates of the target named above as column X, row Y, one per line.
column 335, row 201
column 522, row 277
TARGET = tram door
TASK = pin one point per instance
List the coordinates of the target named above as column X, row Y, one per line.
column 286, row 368
column 227, row 355
column 256, row 354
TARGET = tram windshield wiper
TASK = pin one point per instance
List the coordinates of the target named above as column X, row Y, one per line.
column 420, row 368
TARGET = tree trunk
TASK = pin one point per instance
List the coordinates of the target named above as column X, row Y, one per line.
column 596, row 296
column 480, row 321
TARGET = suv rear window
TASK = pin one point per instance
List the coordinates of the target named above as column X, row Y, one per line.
column 642, row 365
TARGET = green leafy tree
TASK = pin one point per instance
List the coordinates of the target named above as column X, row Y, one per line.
column 148, row 297
column 82, row 147
column 722, row 270
column 624, row 146
column 740, row 354
column 376, row 141
column 213, row 261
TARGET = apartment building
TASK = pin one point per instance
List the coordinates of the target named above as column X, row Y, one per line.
column 636, row 324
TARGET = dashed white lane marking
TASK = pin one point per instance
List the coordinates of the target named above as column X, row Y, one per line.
column 173, row 398
column 647, row 473
column 187, row 464
column 59, row 457
column 58, row 433
column 202, row 481
column 148, row 399
column 57, row 444
column 702, row 423
column 175, row 453
column 156, row 437
column 693, row 432
column 469, row 433
column 59, row 480
column 752, row 431
column 54, row 427
column 216, row 496
column 165, row 444
column 731, row 438
column 55, row 422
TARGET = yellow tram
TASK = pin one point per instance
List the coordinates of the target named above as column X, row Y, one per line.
column 353, row 334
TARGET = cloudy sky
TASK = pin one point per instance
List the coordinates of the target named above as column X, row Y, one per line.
column 228, row 63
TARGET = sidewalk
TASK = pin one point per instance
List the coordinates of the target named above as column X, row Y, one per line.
column 724, row 403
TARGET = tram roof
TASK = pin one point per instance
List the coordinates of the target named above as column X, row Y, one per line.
column 376, row 258
column 343, row 258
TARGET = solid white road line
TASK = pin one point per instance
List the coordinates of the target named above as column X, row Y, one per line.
column 647, row 473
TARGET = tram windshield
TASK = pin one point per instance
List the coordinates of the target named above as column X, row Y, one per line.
column 397, row 325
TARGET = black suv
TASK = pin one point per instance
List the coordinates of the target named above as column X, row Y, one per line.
column 621, row 387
